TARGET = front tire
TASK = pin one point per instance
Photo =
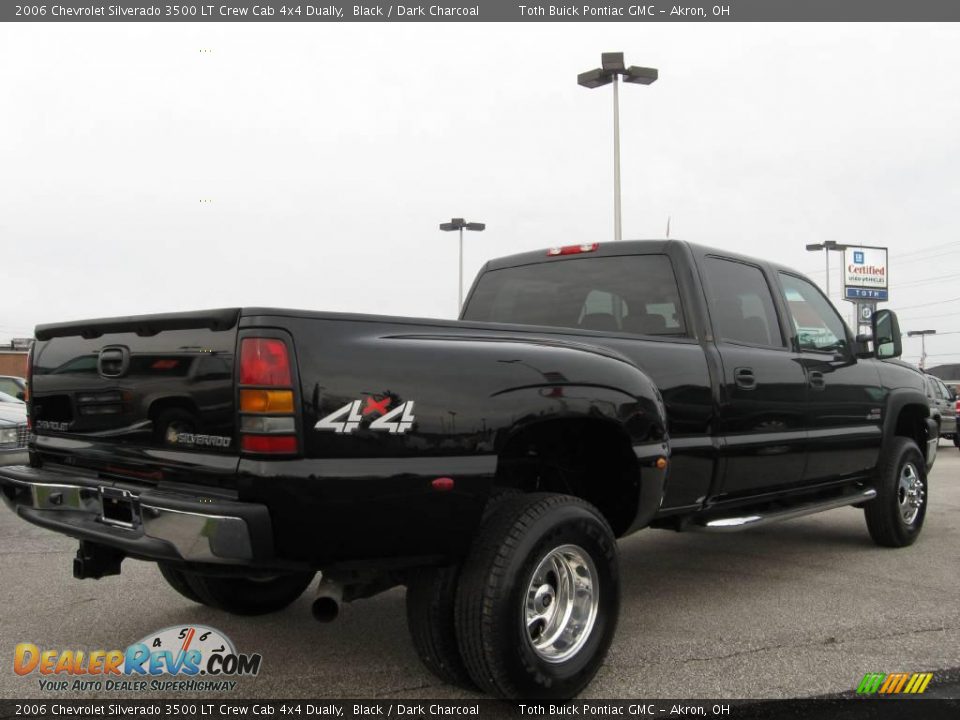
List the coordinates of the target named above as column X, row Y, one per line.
column 249, row 595
column 538, row 597
column 895, row 517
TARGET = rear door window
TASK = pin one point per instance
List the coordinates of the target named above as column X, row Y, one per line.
column 741, row 304
column 635, row 294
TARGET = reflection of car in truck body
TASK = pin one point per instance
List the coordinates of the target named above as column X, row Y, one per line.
column 178, row 391
column 487, row 463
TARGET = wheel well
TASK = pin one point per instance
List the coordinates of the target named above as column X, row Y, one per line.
column 158, row 406
column 912, row 423
column 590, row 459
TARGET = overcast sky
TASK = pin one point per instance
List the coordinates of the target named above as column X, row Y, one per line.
column 329, row 153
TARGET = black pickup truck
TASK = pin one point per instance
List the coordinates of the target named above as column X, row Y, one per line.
column 489, row 463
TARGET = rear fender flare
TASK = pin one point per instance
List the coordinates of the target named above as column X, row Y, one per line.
column 642, row 419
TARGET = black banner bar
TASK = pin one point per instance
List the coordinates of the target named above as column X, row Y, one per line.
column 479, row 11
column 321, row 709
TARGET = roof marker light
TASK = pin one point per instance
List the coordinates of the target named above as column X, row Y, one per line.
column 572, row 249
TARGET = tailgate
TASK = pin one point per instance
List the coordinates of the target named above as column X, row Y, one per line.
column 149, row 396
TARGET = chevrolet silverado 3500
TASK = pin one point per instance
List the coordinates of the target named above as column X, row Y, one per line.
column 488, row 463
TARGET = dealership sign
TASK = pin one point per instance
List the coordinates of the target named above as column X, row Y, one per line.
column 865, row 273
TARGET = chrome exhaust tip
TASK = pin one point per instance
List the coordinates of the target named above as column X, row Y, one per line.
column 326, row 607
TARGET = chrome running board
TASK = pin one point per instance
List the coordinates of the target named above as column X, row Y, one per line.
column 752, row 520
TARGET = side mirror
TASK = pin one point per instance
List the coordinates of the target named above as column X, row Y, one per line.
column 886, row 334
column 861, row 347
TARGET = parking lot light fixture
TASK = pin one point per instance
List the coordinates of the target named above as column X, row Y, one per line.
column 922, row 334
column 611, row 68
column 827, row 246
column 460, row 224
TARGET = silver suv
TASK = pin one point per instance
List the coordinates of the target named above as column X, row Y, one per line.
column 943, row 408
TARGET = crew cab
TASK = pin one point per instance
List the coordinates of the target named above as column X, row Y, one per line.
column 489, row 463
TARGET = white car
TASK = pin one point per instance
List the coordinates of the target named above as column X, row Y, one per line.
column 13, row 431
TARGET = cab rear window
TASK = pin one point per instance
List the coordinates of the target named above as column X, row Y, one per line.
column 631, row 294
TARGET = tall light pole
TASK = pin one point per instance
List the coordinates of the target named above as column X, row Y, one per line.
column 460, row 224
column 923, row 344
column 612, row 68
column 827, row 246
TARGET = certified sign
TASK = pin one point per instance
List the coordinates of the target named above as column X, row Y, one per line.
column 865, row 273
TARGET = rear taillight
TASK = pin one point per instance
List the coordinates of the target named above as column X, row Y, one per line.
column 572, row 249
column 285, row 444
column 267, row 409
column 266, row 401
column 264, row 361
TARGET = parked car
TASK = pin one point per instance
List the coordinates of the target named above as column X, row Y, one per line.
column 489, row 463
column 943, row 407
column 13, row 431
column 954, row 387
column 13, row 385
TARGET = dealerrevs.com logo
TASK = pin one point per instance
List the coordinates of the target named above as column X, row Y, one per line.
column 192, row 658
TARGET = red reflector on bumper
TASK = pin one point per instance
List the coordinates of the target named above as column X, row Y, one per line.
column 442, row 484
column 269, row 443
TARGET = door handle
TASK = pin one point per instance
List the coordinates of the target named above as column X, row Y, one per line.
column 816, row 380
column 745, row 378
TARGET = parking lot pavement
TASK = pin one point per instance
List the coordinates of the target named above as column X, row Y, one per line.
column 801, row 608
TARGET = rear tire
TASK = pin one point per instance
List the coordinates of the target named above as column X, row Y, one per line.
column 538, row 597
column 895, row 517
column 177, row 579
column 249, row 596
column 430, row 617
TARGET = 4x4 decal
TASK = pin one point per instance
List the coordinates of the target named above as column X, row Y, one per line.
column 349, row 417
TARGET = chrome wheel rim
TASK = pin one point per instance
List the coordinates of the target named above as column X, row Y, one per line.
column 560, row 607
column 910, row 493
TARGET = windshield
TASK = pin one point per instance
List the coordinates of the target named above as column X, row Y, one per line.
column 632, row 294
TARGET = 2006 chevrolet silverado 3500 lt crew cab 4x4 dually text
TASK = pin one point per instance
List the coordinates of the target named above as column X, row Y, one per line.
column 488, row 463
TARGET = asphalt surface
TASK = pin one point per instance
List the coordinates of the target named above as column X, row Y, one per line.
column 798, row 609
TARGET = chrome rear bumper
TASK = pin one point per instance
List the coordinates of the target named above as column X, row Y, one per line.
column 141, row 522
